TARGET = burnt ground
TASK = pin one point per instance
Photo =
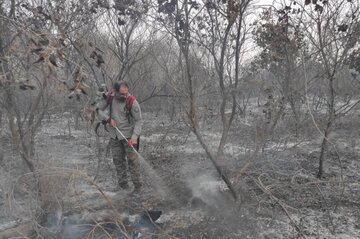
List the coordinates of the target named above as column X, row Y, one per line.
column 280, row 194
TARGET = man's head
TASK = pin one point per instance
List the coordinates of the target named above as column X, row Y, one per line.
column 122, row 88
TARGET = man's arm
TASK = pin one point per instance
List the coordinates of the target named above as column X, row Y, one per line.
column 136, row 114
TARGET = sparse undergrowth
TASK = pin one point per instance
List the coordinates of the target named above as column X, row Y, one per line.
column 281, row 194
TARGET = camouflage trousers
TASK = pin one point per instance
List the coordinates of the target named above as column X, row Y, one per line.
column 125, row 159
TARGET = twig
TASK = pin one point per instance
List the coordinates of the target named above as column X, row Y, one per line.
column 259, row 183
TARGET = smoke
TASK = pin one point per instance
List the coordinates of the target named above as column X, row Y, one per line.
column 228, row 215
column 84, row 225
column 53, row 221
column 73, row 229
column 207, row 188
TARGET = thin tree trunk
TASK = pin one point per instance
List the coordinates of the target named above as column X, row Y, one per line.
column 227, row 121
column 323, row 150
column 331, row 103
column 218, row 168
column 330, row 120
column 296, row 116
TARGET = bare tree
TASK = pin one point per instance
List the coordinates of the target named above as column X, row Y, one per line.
column 225, row 45
column 332, row 31
column 33, row 48
column 182, row 16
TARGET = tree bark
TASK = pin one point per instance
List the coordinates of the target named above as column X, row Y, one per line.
column 330, row 120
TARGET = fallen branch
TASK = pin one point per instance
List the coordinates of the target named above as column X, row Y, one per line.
column 259, row 183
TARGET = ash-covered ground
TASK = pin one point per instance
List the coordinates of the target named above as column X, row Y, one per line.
column 280, row 196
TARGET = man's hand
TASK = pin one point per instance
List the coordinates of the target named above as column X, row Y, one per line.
column 113, row 123
column 132, row 143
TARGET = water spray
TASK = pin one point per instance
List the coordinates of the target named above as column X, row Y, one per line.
column 160, row 186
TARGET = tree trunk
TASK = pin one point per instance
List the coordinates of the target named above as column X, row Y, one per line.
column 216, row 165
column 323, row 150
column 296, row 116
column 331, row 117
column 225, row 121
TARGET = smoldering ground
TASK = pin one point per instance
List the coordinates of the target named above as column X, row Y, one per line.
column 197, row 203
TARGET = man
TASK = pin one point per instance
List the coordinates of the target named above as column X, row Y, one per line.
column 124, row 114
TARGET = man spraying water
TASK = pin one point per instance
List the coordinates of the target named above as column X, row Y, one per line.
column 126, row 121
